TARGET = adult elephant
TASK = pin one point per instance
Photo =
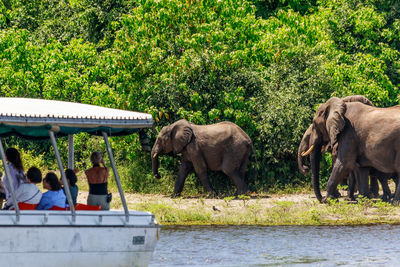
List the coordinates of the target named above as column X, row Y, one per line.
column 361, row 134
column 222, row 147
column 355, row 177
column 315, row 142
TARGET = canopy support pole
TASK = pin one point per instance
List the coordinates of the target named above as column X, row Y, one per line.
column 9, row 180
column 63, row 178
column 116, row 176
column 71, row 151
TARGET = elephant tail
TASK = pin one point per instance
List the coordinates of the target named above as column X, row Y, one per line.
column 255, row 159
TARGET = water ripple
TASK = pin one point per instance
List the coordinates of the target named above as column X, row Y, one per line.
column 278, row 246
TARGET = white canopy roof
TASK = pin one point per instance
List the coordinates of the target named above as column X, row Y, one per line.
column 34, row 117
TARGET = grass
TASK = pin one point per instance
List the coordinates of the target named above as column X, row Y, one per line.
column 288, row 206
column 263, row 210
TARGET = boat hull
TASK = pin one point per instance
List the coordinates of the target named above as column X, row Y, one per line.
column 49, row 244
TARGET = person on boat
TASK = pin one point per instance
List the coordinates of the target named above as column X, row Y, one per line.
column 27, row 192
column 54, row 196
column 2, row 191
column 16, row 168
column 73, row 188
column 97, row 177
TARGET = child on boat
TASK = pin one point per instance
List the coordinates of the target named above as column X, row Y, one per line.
column 54, row 196
column 73, row 188
column 28, row 192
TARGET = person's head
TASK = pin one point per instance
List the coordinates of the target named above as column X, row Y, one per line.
column 34, row 175
column 96, row 157
column 14, row 157
column 50, row 182
column 71, row 177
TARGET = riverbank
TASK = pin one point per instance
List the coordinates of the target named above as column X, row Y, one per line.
column 271, row 209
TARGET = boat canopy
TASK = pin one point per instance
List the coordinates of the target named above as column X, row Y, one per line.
column 33, row 118
column 43, row 119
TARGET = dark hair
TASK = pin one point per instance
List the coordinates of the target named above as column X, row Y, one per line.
column 34, row 175
column 13, row 156
column 70, row 174
column 52, row 180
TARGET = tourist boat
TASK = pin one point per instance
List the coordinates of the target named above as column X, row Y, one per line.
column 72, row 237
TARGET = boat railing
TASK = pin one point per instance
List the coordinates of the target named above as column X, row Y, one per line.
column 64, row 179
column 98, row 218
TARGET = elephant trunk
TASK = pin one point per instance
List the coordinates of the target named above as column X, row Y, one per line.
column 315, row 161
column 155, row 163
column 300, row 162
column 301, row 153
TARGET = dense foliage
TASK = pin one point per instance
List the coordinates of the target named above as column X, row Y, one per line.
column 263, row 64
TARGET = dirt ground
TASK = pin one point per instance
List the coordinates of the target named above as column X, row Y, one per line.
column 268, row 209
column 184, row 203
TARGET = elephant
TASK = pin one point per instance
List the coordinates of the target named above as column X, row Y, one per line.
column 353, row 178
column 383, row 179
column 222, row 147
column 306, row 146
column 360, row 135
column 361, row 175
column 302, row 153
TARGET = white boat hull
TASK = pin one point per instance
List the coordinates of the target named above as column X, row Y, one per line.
column 112, row 242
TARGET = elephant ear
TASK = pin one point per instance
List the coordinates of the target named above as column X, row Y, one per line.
column 358, row 98
column 181, row 137
column 335, row 121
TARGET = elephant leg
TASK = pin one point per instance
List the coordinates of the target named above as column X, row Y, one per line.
column 397, row 192
column 374, row 186
column 352, row 183
column 200, row 167
column 206, row 183
column 239, row 182
column 385, row 188
column 396, row 181
column 184, row 170
column 362, row 177
column 243, row 166
column 339, row 172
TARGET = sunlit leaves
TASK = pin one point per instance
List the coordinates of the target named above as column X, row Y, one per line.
column 264, row 65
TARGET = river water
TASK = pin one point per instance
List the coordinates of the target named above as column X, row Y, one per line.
column 377, row 245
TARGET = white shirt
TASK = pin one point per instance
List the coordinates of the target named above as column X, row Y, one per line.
column 27, row 193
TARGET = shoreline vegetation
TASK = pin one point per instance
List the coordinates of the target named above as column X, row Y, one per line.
column 263, row 65
column 263, row 209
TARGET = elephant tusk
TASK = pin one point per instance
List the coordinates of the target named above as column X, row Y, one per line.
column 155, row 155
column 305, row 153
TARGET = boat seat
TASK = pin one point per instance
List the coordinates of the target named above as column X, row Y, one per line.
column 80, row 206
column 58, row 208
column 26, row 206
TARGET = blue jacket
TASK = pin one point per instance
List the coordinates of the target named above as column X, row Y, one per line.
column 52, row 198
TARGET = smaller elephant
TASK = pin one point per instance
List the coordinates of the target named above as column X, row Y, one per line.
column 359, row 175
column 222, row 147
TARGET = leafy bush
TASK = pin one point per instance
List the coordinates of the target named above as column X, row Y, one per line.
column 263, row 64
